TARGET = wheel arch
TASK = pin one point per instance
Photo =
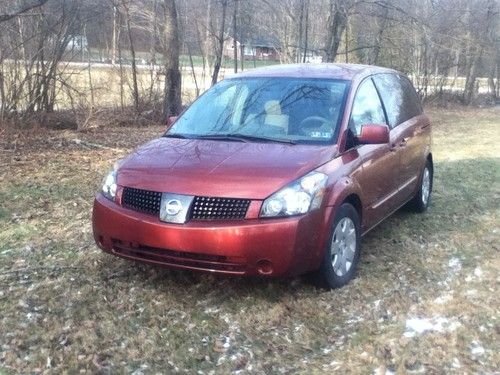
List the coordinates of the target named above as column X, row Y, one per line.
column 429, row 159
column 347, row 190
column 355, row 201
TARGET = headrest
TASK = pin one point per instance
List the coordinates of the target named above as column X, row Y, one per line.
column 273, row 107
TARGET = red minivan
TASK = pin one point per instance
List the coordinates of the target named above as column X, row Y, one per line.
column 275, row 171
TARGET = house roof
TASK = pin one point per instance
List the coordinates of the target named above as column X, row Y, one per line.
column 260, row 41
column 339, row 71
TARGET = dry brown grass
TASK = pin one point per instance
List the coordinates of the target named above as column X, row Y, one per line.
column 67, row 307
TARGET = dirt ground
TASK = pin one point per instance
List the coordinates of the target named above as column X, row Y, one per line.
column 425, row 299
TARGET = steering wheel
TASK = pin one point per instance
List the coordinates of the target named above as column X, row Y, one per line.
column 313, row 122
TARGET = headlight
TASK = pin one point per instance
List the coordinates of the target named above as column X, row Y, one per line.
column 296, row 198
column 109, row 185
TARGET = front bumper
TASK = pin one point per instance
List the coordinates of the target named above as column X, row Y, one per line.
column 271, row 247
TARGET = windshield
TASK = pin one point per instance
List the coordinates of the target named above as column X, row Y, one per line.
column 293, row 110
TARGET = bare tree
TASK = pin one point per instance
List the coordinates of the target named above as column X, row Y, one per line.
column 172, row 90
column 337, row 23
column 125, row 9
column 220, row 42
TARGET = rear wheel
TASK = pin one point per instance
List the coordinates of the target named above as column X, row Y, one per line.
column 342, row 254
column 421, row 201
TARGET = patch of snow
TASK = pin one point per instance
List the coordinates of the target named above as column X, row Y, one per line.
column 420, row 369
column 416, row 326
column 327, row 350
column 382, row 371
column 211, row 310
column 471, row 292
column 221, row 360
column 478, row 272
column 140, row 370
column 455, row 265
column 356, row 319
column 476, row 349
column 443, row 299
column 455, row 363
column 332, row 366
column 477, row 275
column 298, row 327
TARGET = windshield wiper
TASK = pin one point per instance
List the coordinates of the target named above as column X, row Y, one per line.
column 262, row 138
column 221, row 137
column 175, row 135
column 244, row 138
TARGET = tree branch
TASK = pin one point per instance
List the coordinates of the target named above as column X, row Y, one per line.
column 27, row 8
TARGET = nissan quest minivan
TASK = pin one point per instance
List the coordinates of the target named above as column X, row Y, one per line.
column 275, row 171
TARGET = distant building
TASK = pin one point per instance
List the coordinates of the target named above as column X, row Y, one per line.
column 313, row 58
column 257, row 49
column 78, row 43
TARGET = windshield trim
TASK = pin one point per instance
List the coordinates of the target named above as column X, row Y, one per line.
column 332, row 141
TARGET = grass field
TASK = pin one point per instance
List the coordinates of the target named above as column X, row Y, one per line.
column 67, row 307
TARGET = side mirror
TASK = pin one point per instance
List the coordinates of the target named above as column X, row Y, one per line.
column 171, row 120
column 373, row 134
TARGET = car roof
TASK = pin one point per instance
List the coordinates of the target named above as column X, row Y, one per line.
column 307, row 70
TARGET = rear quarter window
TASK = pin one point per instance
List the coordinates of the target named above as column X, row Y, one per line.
column 399, row 97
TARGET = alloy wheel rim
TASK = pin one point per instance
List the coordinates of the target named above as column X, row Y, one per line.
column 343, row 247
column 426, row 186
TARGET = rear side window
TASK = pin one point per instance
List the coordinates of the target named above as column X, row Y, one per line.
column 366, row 108
column 400, row 99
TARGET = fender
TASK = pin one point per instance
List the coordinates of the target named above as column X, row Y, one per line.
column 340, row 190
column 334, row 196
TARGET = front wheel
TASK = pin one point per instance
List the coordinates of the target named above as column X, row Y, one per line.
column 342, row 254
column 420, row 201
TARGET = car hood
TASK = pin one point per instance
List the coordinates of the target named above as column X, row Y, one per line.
column 219, row 168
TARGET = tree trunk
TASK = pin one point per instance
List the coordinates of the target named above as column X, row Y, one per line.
column 135, row 86
column 381, row 28
column 300, row 28
column 2, row 91
column 193, row 72
column 172, row 104
column 306, row 31
column 337, row 22
column 152, row 50
column 208, row 44
column 242, row 56
column 220, row 44
column 115, row 36
column 235, row 40
column 492, row 74
column 470, row 83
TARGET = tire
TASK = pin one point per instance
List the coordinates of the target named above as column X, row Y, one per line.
column 421, row 200
column 337, row 269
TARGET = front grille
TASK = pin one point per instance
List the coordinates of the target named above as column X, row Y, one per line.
column 165, row 257
column 203, row 208
column 141, row 200
column 207, row 208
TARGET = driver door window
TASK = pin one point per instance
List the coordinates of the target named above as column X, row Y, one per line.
column 367, row 108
